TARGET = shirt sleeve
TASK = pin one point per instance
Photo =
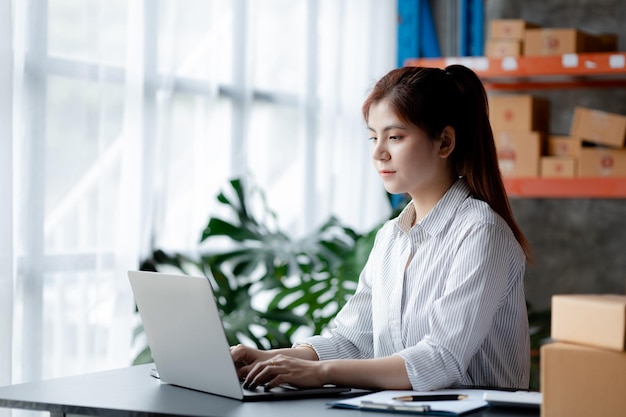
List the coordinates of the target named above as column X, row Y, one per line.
column 479, row 278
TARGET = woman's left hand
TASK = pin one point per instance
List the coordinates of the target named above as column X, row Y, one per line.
column 281, row 369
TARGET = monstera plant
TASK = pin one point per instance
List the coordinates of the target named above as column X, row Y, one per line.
column 267, row 284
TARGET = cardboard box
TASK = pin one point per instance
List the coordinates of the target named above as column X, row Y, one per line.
column 558, row 167
column 519, row 153
column 500, row 48
column 592, row 320
column 582, row 381
column 608, row 42
column 599, row 126
column 601, row 162
column 519, row 112
column 509, row 28
column 559, row 42
column 563, row 146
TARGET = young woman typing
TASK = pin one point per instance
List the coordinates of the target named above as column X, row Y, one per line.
column 440, row 302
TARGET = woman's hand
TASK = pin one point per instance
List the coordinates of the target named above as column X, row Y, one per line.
column 282, row 369
column 301, row 368
column 296, row 366
column 246, row 357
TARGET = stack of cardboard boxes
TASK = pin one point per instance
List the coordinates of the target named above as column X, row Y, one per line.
column 594, row 148
column 519, row 123
column 516, row 37
column 506, row 37
column 596, row 144
column 583, row 371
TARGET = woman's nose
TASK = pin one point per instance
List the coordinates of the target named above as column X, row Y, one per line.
column 380, row 153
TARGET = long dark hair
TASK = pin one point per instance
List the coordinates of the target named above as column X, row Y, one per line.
column 431, row 99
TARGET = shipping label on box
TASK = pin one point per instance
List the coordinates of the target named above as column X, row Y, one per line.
column 500, row 48
column 558, row 42
column 582, row 381
column 509, row 28
column 518, row 153
column 589, row 319
column 563, row 146
column 601, row 162
column 519, row 112
column 558, row 167
column 599, row 127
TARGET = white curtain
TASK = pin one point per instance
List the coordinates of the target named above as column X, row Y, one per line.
column 120, row 120
column 6, row 187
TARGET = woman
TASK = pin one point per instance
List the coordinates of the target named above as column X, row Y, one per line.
column 440, row 302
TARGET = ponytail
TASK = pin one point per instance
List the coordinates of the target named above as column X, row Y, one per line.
column 475, row 153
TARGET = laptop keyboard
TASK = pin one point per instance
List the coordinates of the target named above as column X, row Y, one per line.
column 263, row 388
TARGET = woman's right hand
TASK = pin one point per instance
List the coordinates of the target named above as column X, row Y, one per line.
column 246, row 357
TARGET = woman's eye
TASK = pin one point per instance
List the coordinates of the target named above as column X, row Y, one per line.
column 394, row 138
column 371, row 139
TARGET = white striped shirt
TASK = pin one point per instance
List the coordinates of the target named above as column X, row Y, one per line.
column 456, row 314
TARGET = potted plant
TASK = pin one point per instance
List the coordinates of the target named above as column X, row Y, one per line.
column 304, row 282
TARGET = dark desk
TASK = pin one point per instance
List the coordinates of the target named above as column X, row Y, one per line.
column 132, row 392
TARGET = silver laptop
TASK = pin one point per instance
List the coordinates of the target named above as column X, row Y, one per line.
column 186, row 337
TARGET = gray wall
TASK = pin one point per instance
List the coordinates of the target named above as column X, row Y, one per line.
column 579, row 244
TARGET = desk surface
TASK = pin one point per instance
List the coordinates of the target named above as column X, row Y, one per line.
column 132, row 392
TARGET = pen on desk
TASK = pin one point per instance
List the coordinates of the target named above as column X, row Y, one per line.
column 433, row 397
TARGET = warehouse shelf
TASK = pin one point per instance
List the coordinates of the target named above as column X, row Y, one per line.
column 601, row 187
column 601, row 69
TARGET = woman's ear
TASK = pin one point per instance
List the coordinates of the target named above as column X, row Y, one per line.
column 447, row 142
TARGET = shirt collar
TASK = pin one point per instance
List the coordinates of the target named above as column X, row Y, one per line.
column 440, row 215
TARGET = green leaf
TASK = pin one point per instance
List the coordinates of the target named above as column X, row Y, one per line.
column 145, row 356
column 219, row 227
column 285, row 316
column 237, row 186
column 137, row 332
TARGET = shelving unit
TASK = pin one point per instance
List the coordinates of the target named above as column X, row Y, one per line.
column 566, row 187
column 605, row 69
column 589, row 70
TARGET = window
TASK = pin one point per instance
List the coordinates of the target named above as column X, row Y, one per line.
column 130, row 116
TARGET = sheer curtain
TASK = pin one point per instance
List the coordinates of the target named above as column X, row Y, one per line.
column 120, row 120
column 6, row 187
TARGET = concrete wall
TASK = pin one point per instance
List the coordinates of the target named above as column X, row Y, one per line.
column 579, row 244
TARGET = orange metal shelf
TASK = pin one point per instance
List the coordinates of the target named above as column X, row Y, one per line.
column 566, row 187
column 602, row 69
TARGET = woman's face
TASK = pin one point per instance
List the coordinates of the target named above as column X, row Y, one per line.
column 407, row 160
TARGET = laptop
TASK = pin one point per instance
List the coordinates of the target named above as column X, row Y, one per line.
column 186, row 336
